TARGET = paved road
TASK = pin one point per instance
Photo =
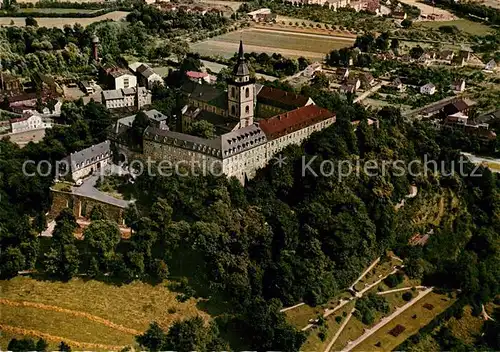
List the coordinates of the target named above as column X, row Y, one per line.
column 292, row 307
column 400, row 289
column 370, row 92
column 386, row 320
column 372, row 265
column 482, row 160
column 87, row 189
column 341, row 328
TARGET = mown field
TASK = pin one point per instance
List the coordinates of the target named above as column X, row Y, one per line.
column 413, row 319
column 61, row 22
column 87, row 314
column 471, row 27
column 272, row 41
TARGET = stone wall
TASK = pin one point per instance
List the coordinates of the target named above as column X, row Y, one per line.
column 82, row 206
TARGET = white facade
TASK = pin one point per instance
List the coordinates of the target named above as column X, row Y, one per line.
column 32, row 122
column 128, row 97
column 125, row 80
column 428, row 89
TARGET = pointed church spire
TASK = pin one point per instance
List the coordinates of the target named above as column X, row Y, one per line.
column 240, row 52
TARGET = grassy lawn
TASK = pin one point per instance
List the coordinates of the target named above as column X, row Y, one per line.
column 314, row 343
column 127, row 307
column 468, row 327
column 299, row 317
column 352, row 330
column 412, row 325
column 471, row 27
column 63, row 325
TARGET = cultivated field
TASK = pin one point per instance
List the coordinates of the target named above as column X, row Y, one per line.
column 234, row 5
column 35, row 1
column 471, row 27
column 271, row 41
column 60, row 22
column 87, row 314
column 56, row 10
column 429, row 10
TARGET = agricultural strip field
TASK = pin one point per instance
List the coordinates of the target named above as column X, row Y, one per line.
column 61, row 22
column 474, row 28
column 56, row 10
column 270, row 41
column 87, row 314
column 412, row 320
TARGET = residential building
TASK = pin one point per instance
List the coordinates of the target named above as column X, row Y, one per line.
column 127, row 97
column 428, row 89
column 85, row 162
column 370, row 5
column 119, row 78
column 342, row 73
column 262, row 15
column 398, row 85
column 147, row 77
column 446, row 55
column 200, row 77
column 367, row 80
column 29, row 122
column 490, row 66
column 457, row 106
column 86, row 87
column 311, row 70
column 458, row 86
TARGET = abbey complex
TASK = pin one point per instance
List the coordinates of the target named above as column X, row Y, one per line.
column 252, row 123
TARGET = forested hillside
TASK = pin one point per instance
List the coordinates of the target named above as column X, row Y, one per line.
column 287, row 236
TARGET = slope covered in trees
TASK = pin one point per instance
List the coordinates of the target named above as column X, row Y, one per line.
column 294, row 233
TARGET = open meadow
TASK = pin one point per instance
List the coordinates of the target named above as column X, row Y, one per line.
column 87, row 314
column 312, row 46
column 61, row 22
column 471, row 27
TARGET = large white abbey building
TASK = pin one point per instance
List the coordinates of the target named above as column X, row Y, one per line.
column 252, row 124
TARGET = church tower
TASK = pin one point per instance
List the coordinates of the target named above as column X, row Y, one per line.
column 241, row 92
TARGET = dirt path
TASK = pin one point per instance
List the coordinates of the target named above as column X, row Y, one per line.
column 58, row 339
column 364, row 273
column 337, row 334
column 75, row 313
column 400, row 289
column 292, row 307
column 386, row 320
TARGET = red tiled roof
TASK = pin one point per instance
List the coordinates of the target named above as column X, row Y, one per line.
column 195, row 74
column 282, row 97
column 294, row 120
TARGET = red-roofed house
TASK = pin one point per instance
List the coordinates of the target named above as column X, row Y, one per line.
column 200, row 77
